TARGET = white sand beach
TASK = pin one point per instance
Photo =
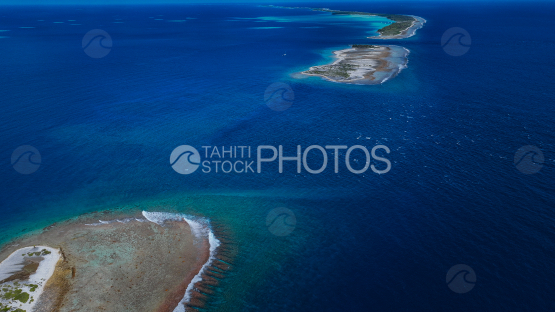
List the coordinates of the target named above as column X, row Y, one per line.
column 21, row 259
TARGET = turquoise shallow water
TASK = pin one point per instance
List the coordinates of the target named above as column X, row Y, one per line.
column 106, row 127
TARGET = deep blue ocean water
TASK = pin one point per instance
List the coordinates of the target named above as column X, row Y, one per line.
column 105, row 129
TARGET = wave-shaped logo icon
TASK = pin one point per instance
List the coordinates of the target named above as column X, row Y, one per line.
column 461, row 278
column 529, row 159
column 456, row 41
column 97, row 43
column 185, row 159
column 26, row 159
column 279, row 96
column 281, row 221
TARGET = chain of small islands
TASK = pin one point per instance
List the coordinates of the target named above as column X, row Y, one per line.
column 366, row 63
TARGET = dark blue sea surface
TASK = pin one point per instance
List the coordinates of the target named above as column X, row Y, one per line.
column 197, row 74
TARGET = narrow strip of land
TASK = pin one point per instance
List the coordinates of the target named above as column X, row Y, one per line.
column 403, row 26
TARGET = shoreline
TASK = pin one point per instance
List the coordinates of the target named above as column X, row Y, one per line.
column 201, row 229
column 136, row 251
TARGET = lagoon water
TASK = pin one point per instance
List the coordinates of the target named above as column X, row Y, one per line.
column 197, row 74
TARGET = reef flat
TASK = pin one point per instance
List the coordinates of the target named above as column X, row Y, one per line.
column 146, row 261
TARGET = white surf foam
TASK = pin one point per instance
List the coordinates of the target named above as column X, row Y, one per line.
column 126, row 220
column 200, row 228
